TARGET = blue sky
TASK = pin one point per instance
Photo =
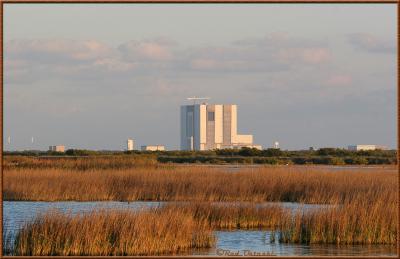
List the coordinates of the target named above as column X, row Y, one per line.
column 91, row 76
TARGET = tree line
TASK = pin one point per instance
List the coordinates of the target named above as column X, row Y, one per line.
column 328, row 156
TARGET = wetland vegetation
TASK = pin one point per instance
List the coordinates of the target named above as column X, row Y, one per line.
column 363, row 205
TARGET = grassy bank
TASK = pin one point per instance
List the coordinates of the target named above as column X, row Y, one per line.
column 154, row 232
column 308, row 185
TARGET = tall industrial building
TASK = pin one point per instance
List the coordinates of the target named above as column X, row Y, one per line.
column 205, row 127
column 129, row 145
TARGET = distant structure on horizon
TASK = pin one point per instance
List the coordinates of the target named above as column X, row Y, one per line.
column 58, row 148
column 206, row 127
column 365, row 147
column 276, row 145
column 153, row 148
column 130, row 145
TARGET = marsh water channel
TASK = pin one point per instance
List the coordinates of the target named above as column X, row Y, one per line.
column 240, row 242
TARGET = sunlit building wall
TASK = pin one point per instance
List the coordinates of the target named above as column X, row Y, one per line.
column 129, row 145
column 211, row 126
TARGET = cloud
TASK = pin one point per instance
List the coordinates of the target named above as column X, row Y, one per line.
column 56, row 50
column 339, row 80
column 219, row 65
column 37, row 59
column 370, row 43
column 29, row 60
column 313, row 56
column 153, row 50
column 278, row 40
column 274, row 52
column 114, row 64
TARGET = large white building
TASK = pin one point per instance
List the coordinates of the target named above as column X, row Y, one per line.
column 153, row 148
column 130, row 145
column 365, row 147
column 206, row 127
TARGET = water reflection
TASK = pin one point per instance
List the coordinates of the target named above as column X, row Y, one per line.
column 259, row 241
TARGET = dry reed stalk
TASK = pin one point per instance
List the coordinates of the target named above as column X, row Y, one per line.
column 234, row 216
column 116, row 232
column 357, row 221
column 195, row 184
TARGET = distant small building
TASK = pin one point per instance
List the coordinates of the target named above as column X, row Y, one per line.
column 130, row 145
column 365, row 147
column 153, row 148
column 259, row 147
column 58, row 148
column 276, row 145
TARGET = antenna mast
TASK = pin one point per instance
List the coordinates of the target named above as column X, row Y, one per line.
column 194, row 98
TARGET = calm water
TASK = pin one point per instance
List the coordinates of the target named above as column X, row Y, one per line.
column 18, row 213
column 259, row 241
column 329, row 168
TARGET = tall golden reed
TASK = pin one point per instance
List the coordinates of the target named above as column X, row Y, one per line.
column 308, row 185
column 177, row 228
column 365, row 201
column 115, row 232
column 356, row 221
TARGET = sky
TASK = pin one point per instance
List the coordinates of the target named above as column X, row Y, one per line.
column 90, row 76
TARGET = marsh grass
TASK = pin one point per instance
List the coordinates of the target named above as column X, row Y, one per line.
column 80, row 163
column 356, row 221
column 116, row 232
column 306, row 185
column 234, row 216
column 177, row 228
column 364, row 211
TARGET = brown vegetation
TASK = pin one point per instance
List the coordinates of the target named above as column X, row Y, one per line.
column 234, row 216
column 308, row 185
column 178, row 228
column 358, row 221
column 79, row 163
column 123, row 232
column 365, row 203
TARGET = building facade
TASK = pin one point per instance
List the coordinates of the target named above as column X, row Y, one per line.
column 153, row 148
column 129, row 145
column 365, row 147
column 58, row 148
column 207, row 127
